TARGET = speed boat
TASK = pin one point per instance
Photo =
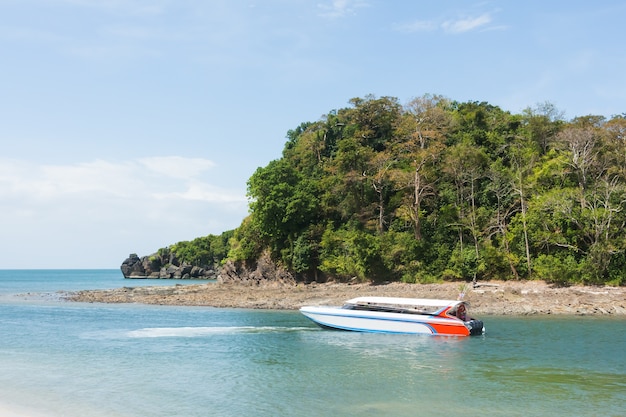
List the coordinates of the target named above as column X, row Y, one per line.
column 397, row 315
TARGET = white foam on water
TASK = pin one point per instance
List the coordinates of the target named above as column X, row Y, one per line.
column 14, row 411
column 152, row 332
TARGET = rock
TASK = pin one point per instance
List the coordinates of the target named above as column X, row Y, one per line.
column 540, row 301
column 164, row 267
column 264, row 271
column 132, row 266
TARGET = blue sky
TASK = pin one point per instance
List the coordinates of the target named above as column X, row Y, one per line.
column 129, row 125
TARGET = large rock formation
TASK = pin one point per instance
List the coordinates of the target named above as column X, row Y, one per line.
column 263, row 271
column 155, row 266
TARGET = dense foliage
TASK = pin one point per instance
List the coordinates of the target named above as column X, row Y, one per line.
column 204, row 251
column 438, row 189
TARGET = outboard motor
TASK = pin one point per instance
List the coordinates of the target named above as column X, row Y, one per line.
column 475, row 327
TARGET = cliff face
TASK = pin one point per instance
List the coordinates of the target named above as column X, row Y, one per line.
column 263, row 271
column 154, row 266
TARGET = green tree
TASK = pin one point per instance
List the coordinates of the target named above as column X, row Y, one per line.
column 437, row 189
column 542, row 124
column 466, row 165
column 282, row 204
column 351, row 254
column 422, row 130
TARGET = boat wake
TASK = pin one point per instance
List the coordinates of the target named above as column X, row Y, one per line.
column 156, row 332
column 207, row 331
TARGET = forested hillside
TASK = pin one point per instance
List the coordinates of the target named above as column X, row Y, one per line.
column 438, row 189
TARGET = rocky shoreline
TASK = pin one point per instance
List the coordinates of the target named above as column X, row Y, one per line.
column 163, row 266
column 493, row 298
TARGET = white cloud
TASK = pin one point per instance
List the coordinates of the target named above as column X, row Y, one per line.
column 92, row 214
column 417, row 26
column 453, row 26
column 26, row 34
column 466, row 24
column 340, row 8
column 20, row 179
column 176, row 166
column 98, row 176
column 198, row 191
column 141, row 178
column 133, row 7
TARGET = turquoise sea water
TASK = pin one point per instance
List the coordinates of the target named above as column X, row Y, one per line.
column 93, row 360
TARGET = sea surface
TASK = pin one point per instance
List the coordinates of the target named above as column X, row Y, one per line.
column 63, row 359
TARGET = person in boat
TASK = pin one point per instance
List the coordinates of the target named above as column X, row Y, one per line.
column 460, row 312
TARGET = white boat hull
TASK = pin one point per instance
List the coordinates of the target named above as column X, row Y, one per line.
column 383, row 322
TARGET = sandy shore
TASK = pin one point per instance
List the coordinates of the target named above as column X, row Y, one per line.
column 493, row 298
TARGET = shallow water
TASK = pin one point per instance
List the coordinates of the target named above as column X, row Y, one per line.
column 19, row 281
column 92, row 360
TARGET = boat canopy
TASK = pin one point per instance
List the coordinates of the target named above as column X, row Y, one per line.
column 399, row 301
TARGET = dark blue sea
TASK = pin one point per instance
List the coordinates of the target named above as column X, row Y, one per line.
column 64, row 359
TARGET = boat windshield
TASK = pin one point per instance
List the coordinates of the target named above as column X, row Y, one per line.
column 395, row 308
